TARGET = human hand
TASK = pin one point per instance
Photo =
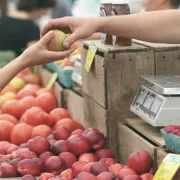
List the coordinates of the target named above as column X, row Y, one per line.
column 78, row 28
column 38, row 54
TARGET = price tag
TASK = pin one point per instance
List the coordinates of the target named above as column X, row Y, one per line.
column 168, row 168
column 90, row 57
column 52, row 81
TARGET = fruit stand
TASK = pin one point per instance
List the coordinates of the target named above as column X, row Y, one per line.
column 73, row 120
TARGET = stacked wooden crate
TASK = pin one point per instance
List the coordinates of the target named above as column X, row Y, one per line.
column 113, row 81
column 111, row 84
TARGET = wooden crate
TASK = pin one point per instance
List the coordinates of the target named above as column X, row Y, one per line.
column 74, row 104
column 45, row 75
column 130, row 141
column 113, row 81
column 166, row 57
column 95, row 115
column 151, row 133
column 161, row 154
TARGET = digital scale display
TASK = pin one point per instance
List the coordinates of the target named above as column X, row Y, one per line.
column 147, row 103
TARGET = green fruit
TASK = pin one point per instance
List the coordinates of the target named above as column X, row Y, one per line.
column 56, row 44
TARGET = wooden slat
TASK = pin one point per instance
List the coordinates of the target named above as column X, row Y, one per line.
column 123, row 72
column 112, row 49
column 95, row 115
column 94, row 81
column 158, row 46
column 74, row 103
column 147, row 130
column 168, row 63
column 45, row 75
column 130, row 142
column 58, row 90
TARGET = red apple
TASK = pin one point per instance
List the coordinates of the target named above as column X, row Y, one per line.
column 125, row 172
column 98, row 168
column 61, row 133
column 116, row 168
column 58, row 114
column 32, row 87
column 55, row 165
column 25, row 93
column 38, row 145
column 141, row 162
column 147, row 176
column 88, row 157
column 68, row 174
column 108, row 162
column 85, row 175
column 46, row 101
column 77, row 132
column 14, row 108
column 96, row 139
column 32, row 79
column 133, row 177
column 29, row 167
column 7, row 170
column 107, row 176
column 87, row 167
column 79, row 145
column 104, row 153
column 46, row 176
column 29, row 102
column 60, row 146
column 69, row 158
column 77, row 167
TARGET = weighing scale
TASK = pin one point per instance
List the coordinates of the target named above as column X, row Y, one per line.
column 158, row 100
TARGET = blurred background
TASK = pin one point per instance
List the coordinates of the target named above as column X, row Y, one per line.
column 68, row 8
column 21, row 20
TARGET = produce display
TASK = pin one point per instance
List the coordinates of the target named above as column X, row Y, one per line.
column 37, row 139
column 171, row 136
column 65, row 67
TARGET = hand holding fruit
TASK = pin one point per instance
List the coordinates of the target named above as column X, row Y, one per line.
column 39, row 53
column 81, row 28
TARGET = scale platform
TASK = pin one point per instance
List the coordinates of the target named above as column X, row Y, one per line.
column 165, row 85
column 158, row 100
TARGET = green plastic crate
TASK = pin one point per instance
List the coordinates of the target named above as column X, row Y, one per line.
column 52, row 66
column 65, row 77
column 6, row 57
column 172, row 141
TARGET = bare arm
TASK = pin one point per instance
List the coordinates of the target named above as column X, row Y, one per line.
column 160, row 26
column 35, row 55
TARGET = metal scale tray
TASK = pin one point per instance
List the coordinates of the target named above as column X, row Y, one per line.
column 164, row 85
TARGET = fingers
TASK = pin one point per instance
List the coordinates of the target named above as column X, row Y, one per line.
column 47, row 38
column 61, row 23
column 72, row 38
column 60, row 55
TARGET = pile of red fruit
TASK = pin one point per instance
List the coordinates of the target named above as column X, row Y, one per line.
column 38, row 139
column 173, row 129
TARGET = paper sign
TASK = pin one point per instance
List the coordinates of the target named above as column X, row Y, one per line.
column 168, row 168
column 52, row 81
column 90, row 57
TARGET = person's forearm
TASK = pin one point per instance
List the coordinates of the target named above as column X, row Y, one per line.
column 8, row 72
column 160, row 27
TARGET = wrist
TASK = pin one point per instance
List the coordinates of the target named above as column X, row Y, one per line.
column 100, row 24
column 21, row 62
